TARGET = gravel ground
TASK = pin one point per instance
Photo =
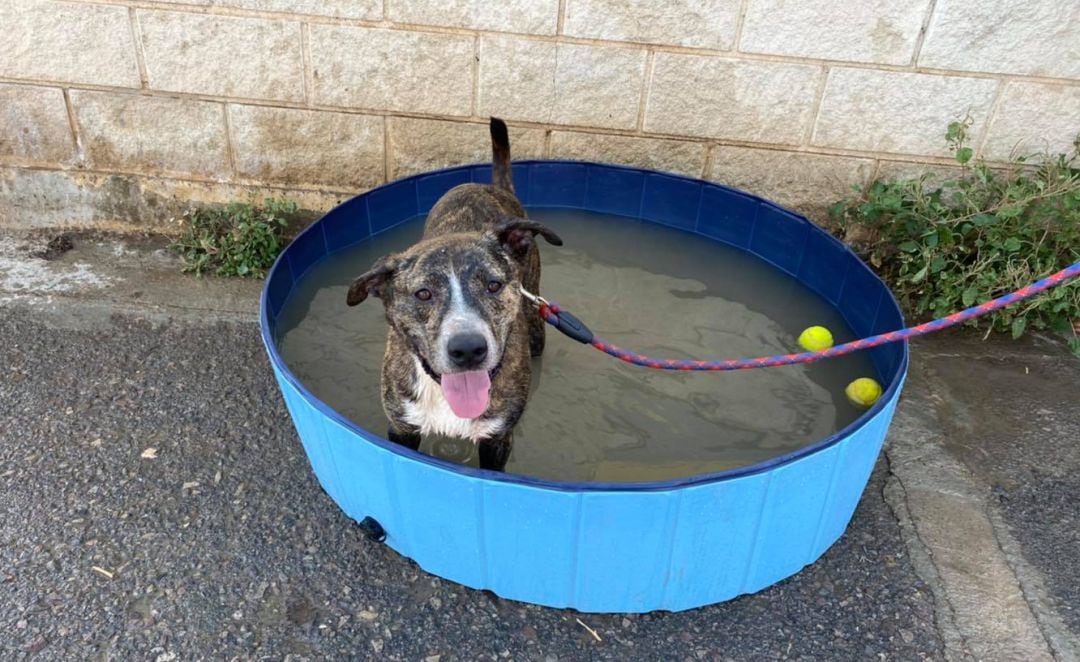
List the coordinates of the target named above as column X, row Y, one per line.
column 219, row 544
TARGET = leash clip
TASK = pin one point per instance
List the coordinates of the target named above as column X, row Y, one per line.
column 536, row 299
column 560, row 319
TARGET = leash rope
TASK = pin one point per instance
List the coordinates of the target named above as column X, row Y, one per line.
column 574, row 328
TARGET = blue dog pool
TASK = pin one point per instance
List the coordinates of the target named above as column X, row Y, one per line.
column 596, row 546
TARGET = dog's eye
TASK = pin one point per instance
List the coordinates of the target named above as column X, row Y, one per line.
column 494, row 286
column 424, row 294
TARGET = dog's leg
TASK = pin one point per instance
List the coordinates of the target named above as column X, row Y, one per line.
column 404, row 434
column 495, row 452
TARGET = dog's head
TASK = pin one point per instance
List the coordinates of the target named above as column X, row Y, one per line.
column 454, row 299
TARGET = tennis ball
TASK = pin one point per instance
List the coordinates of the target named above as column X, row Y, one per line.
column 815, row 339
column 863, row 392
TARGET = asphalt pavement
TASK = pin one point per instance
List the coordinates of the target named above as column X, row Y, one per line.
column 219, row 542
column 156, row 503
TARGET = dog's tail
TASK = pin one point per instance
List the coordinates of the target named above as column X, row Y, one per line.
column 501, row 174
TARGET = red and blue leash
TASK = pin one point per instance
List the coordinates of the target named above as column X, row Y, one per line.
column 574, row 328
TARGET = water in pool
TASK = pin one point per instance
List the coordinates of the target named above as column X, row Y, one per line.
column 657, row 290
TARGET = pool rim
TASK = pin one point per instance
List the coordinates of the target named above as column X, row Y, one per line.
column 283, row 370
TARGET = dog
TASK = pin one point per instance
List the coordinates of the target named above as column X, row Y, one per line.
column 461, row 334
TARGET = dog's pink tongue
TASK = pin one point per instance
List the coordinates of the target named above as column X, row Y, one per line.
column 466, row 392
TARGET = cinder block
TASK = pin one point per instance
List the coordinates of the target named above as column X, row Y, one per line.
column 289, row 146
column 881, row 31
column 720, row 97
column 1034, row 38
column 1033, row 118
column 34, row 124
column 392, row 70
column 560, row 83
column 528, row 16
column 61, row 41
column 222, row 55
column 152, row 134
column 678, row 156
column 420, row 145
column 897, row 112
column 695, row 23
column 809, row 183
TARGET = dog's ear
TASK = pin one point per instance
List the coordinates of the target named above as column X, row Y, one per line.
column 372, row 281
column 517, row 235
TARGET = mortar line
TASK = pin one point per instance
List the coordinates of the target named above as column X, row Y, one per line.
column 137, row 44
column 646, row 85
column 309, row 70
column 875, row 171
column 560, row 24
column 984, row 131
column 240, row 182
column 386, row 10
column 921, row 38
column 230, row 152
column 739, row 21
column 323, row 19
column 475, row 68
column 815, row 113
column 73, row 123
column 387, row 161
column 707, row 163
column 658, row 47
column 554, row 86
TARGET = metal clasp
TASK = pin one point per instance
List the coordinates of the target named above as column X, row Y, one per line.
column 535, row 298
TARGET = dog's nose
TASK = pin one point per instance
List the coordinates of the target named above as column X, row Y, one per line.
column 467, row 350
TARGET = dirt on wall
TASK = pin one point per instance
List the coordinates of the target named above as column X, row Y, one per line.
column 35, row 199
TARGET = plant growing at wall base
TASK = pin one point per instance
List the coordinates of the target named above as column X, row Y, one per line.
column 239, row 239
column 980, row 233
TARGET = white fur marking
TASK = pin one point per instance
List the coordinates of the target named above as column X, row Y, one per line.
column 460, row 318
column 432, row 414
column 457, row 299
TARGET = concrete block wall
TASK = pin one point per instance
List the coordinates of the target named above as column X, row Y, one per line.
column 120, row 113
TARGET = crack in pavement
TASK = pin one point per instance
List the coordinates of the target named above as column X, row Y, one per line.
column 894, row 494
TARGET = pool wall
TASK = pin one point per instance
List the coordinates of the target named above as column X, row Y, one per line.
column 603, row 547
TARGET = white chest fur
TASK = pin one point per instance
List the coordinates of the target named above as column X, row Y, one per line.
column 432, row 414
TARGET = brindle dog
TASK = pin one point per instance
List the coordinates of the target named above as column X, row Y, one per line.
column 461, row 334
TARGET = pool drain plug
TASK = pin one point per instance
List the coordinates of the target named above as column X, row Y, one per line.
column 371, row 529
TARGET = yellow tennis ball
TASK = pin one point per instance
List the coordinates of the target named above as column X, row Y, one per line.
column 815, row 339
column 863, row 392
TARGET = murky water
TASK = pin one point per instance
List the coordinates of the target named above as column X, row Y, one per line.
column 659, row 291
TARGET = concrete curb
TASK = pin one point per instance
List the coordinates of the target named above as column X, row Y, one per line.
column 987, row 610
column 108, row 275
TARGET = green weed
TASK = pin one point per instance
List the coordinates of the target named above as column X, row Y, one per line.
column 980, row 233
column 239, row 239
